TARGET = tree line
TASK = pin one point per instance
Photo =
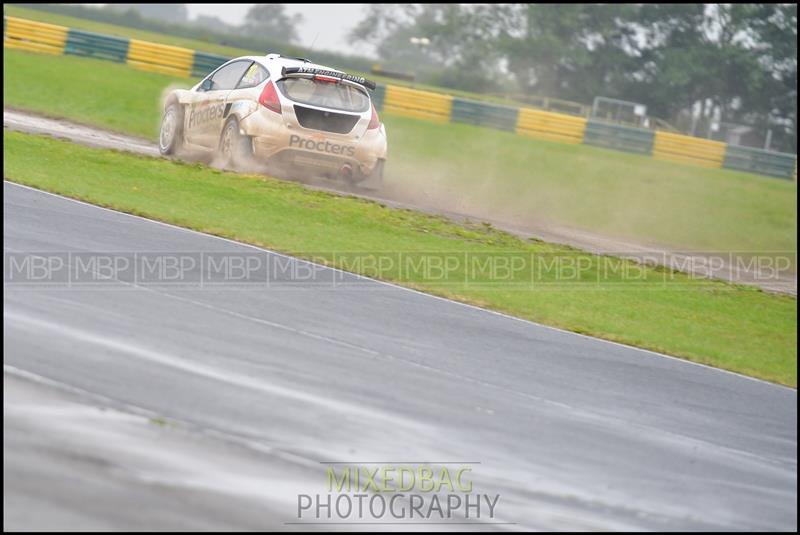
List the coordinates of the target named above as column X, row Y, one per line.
column 716, row 63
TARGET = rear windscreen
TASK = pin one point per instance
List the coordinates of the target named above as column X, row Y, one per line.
column 338, row 96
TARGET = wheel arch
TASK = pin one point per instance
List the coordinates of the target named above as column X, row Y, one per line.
column 178, row 96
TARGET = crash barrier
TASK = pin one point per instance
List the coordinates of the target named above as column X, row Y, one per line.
column 163, row 59
column 619, row 137
column 551, row 126
column 688, row 149
column 482, row 114
column 34, row 36
column 762, row 162
column 419, row 104
column 93, row 45
column 205, row 63
column 377, row 96
column 548, row 125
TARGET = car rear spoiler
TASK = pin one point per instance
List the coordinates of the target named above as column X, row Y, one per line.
column 288, row 71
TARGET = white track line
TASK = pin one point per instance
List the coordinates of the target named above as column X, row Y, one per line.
column 475, row 307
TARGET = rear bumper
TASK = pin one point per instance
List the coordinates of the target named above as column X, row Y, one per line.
column 309, row 163
column 277, row 143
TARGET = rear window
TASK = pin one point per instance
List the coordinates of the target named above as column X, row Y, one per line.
column 338, row 96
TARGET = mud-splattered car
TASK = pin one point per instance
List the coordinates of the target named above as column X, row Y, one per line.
column 296, row 117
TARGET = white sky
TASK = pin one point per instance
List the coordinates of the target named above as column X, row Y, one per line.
column 332, row 22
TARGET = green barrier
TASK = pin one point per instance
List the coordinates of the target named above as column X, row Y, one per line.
column 377, row 96
column 777, row 164
column 93, row 45
column 481, row 114
column 615, row 136
column 204, row 63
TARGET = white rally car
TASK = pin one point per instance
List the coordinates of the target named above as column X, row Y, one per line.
column 298, row 118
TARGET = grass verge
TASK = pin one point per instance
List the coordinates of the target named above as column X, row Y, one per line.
column 724, row 325
column 484, row 172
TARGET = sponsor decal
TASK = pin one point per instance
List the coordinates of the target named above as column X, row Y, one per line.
column 203, row 114
column 321, row 146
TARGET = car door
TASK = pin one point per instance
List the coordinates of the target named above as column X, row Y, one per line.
column 247, row 91
column 206, row 115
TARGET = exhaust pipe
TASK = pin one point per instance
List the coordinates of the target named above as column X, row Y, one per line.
column 346, row 171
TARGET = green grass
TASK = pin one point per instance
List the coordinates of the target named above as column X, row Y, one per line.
column 477, row 170
column 711, row 322
column 627, row 196
column 110, row 95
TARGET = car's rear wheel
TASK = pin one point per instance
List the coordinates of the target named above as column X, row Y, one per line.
column 233, row 146
column 170, row 138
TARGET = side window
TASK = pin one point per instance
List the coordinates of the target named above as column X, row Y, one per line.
column 253, row 76
column 228, row 76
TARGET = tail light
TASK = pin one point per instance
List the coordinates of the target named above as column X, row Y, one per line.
column 269, row 98
column 328, row 79
column 374, row 122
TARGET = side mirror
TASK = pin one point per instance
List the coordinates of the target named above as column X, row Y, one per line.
column 207, row 84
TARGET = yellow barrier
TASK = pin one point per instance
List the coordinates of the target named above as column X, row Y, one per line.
column 164, row 59
column 551, row 126
column 35, row 36
column 420, row 104
column 687, row 149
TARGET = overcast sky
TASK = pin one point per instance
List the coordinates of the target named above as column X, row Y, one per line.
column 331, row 22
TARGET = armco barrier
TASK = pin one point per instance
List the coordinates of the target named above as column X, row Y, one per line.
column 34, row 36
column 482, row 114
column 160, row 58
column 93, row 45
column 420, row 104
column 688, row 149
column 551, row 126
column 50, row 38
column 203, row 63
column 377, row 97
column 762, row 162
column 619, row 137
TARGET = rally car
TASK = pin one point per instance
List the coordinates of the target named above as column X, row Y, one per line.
column 296, row 117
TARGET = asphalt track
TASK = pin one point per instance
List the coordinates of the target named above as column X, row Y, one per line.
column 261, row 383
column 718, row 264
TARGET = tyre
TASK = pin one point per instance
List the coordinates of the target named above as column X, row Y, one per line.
column 170, row 138
column 234, row 148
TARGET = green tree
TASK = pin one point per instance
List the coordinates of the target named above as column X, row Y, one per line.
column 570, row 51
column 737, row 61
column 270, row 21
column 733, row 62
